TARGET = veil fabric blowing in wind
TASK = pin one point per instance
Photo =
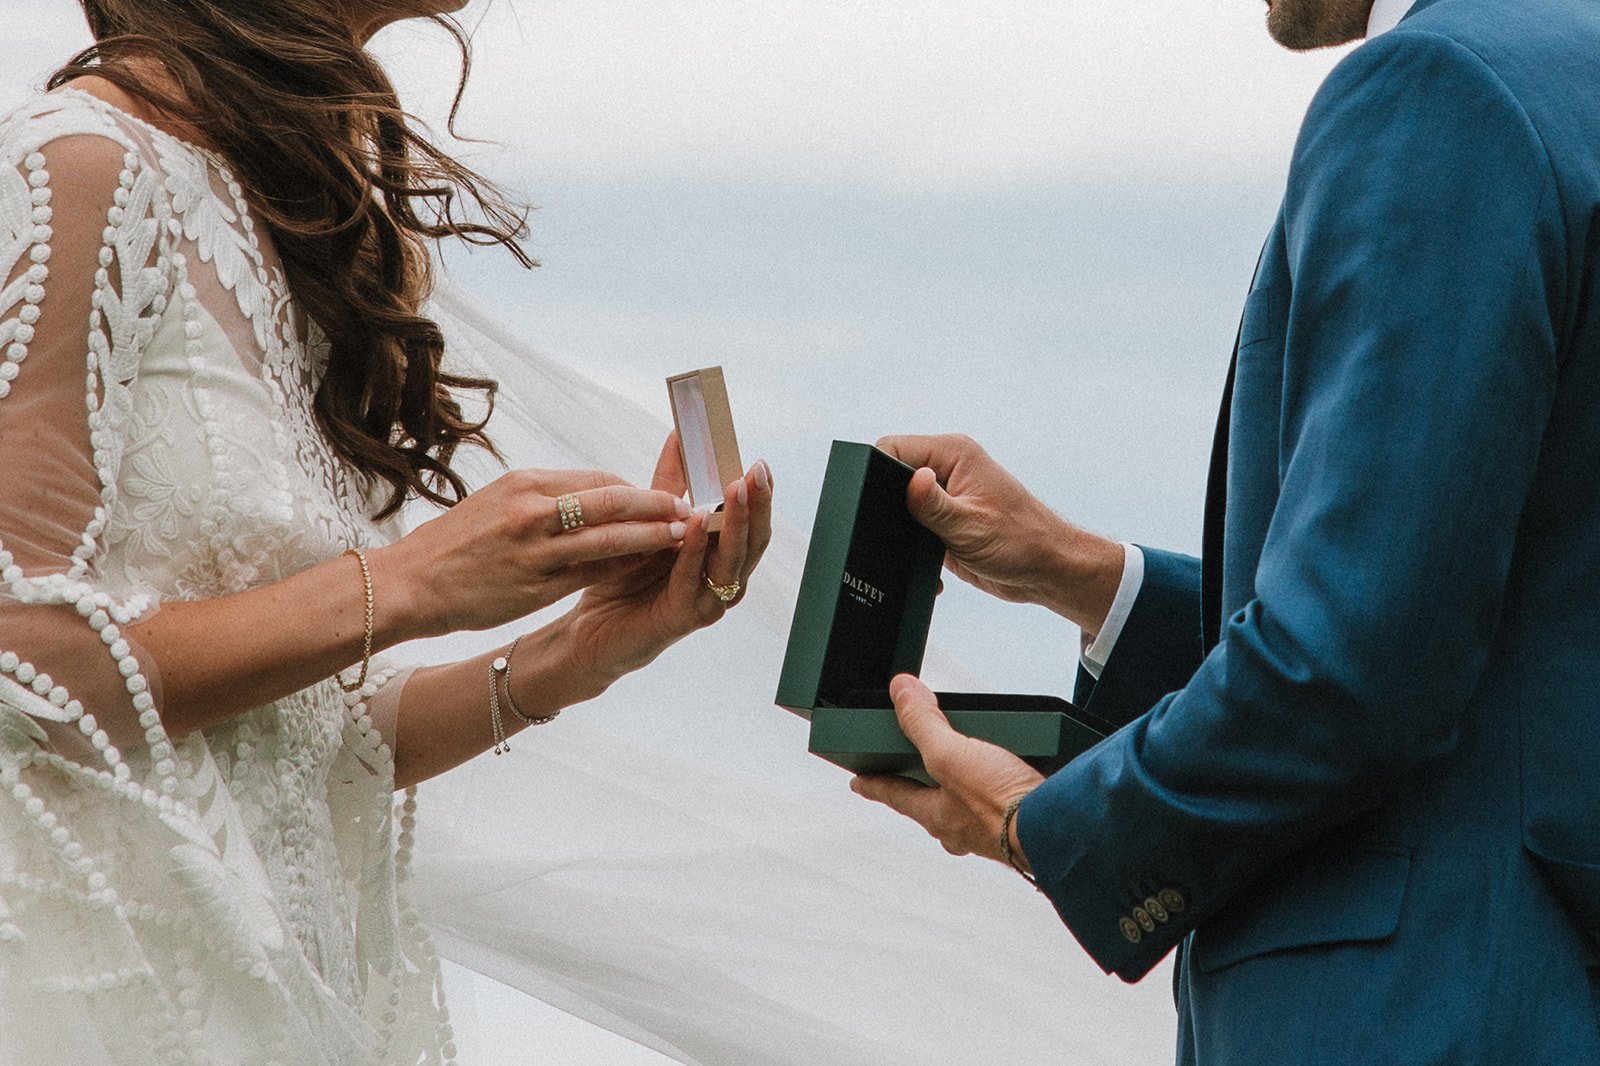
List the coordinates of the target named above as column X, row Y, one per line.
column 668, row 862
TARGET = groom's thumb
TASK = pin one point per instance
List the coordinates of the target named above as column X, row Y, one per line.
column 931, row 505
column 921, row 720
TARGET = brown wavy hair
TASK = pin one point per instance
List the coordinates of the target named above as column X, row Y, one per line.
column 351, row 193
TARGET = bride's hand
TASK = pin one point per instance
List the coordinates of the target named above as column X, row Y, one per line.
column 501, row 553
column 623, row 621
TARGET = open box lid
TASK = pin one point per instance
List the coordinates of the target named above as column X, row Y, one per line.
column 707, row 442
column 867, row 593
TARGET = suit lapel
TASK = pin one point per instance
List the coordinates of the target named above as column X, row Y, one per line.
column 1211, row 539
column 1216, row 515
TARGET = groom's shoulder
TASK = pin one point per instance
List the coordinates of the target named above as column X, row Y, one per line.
column 1544, row 54
column 1471, row 77
column 1530, row 44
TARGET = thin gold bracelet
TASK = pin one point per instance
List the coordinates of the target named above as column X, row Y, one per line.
column 366, row 645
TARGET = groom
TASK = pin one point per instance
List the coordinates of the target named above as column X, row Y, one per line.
column 1360, row 783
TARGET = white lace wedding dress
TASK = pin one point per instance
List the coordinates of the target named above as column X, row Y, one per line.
column 227, row 897
column 666, row 862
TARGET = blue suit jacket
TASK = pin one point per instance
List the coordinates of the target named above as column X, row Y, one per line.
column 1375, row 801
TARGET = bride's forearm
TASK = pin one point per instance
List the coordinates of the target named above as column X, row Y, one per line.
column 502, row 553
column 218, row 658
column 444, row 717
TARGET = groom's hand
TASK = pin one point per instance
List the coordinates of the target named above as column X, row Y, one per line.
column 976, row 780
column 1001, row 538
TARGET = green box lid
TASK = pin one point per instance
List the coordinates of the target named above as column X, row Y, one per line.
column 868, row 589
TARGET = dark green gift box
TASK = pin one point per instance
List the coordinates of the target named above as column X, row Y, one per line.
column 866, row 602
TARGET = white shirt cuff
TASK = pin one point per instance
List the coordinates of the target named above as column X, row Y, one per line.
column 1098, row 653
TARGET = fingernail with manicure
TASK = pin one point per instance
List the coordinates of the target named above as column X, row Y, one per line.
column 744, row 492
column 678, row 529
column 771, row 481
column 763, row 476
column 683, row 508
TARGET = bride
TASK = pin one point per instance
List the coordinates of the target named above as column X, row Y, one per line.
column 219, row 386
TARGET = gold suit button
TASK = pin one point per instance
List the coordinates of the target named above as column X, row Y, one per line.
column 1147, row 923
column 1157, row 911
column 1130, row 929
column 1172, row 899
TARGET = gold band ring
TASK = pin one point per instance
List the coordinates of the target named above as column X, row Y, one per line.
column 571, row 512
column 726, row 593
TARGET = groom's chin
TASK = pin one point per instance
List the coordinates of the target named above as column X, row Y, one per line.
column 1302, row 25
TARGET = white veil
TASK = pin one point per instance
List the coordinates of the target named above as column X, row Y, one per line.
column 669, row 863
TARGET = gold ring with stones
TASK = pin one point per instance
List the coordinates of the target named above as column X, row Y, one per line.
column 571, row 511
column 726, row 593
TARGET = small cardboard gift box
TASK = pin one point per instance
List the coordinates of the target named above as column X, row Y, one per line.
column 865, row 605
column 706, row 440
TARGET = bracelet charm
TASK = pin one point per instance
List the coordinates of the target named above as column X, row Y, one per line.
column 497, row 728
column 500, row 674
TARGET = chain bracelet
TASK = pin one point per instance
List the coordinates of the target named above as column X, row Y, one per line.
column 366, row 644
column 1005, row 842
column 501, row 744
column 511, row 701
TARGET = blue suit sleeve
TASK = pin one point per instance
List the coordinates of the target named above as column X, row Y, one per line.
column 1427, row 262
column 1160, row 646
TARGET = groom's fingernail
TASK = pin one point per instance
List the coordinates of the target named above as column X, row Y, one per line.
column 678, row 529
column 683, row 508
column 763, row 476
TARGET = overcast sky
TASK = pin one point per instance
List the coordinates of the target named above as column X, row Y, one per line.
column 903, row 96
column 1031, row 221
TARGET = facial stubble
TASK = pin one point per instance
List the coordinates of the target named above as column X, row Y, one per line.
column 1302, row 25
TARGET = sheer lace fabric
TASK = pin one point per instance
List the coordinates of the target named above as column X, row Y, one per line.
column 230, row 896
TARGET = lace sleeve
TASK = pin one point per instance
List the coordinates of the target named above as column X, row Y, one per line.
column 87, row 278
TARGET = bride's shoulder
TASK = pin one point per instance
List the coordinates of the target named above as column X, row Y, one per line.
column 81, row 139
column 73, row 138
column 88, row 124
column 42, row 117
